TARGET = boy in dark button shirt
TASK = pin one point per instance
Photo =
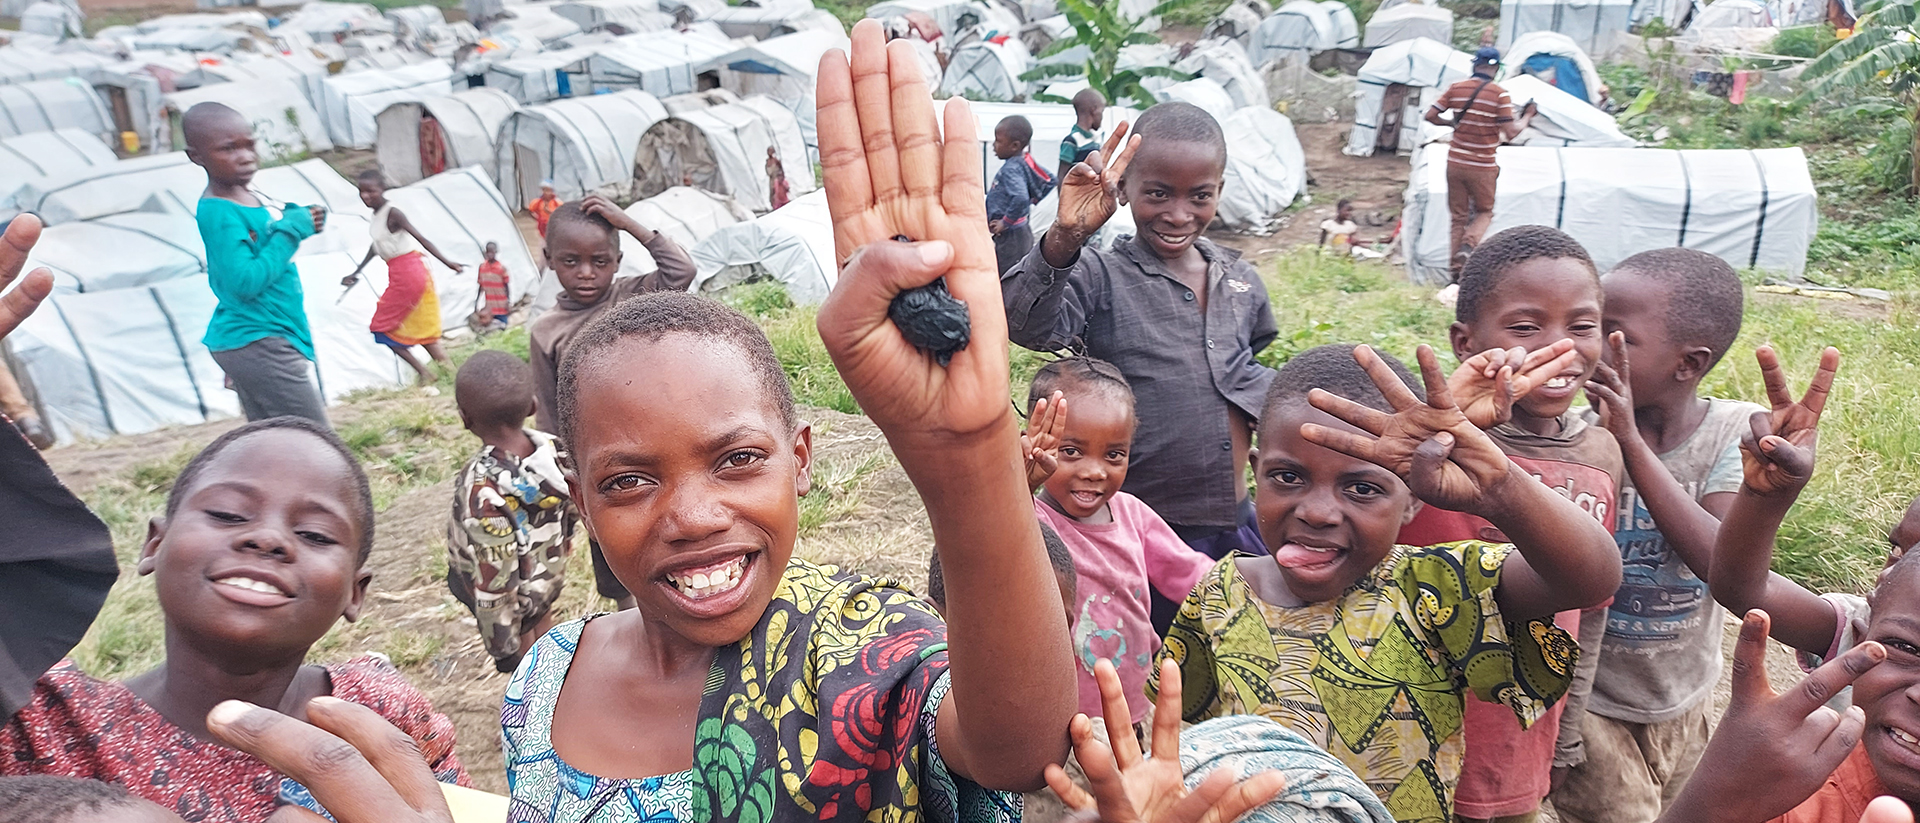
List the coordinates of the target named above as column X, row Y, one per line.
column 1180, row 316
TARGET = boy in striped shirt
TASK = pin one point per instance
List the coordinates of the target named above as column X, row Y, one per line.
column 1482, row 120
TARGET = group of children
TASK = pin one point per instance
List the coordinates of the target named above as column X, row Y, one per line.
column 1470, row 593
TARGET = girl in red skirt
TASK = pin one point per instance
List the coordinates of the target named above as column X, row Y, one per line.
column 408, row 314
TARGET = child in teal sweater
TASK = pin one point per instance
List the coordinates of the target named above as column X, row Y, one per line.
column 258, row 333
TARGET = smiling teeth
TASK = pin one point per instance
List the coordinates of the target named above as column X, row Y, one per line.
column 1559, row 382
column 702, row 585
column 251, row 585
column 1903, row 737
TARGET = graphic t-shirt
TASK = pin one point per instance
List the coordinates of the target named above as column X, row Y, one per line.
column 1662, row 647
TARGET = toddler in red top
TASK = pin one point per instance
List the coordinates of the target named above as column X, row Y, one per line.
column 261, row 550
column 497, row 304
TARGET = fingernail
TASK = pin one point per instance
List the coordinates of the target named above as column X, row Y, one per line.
column 935, row 252
column 228, row 712
column 1444, row 438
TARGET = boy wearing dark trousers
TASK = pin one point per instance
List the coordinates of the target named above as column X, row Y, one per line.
column 1017, row 188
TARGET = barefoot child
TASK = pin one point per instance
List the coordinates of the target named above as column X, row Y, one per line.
column 512, row 526
column 1017, row 188
column 258, row 333
column 262, row 549
column 749, row 684
column 1120, row 548
column 1369, row 648
column 583, row 250
column 1181, row 317
column 409, row 310
column 1676, row 312
column 496, row 300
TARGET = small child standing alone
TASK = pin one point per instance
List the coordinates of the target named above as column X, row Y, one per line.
column 512, row 526
column 1017, row 188
column 1120, row 548
column 496, row 300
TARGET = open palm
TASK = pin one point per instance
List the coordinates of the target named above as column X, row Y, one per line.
column 1777, row 455
column 889, row 174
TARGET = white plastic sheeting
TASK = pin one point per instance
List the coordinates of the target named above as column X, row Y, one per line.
column 1346, row 29
column 1674, row 13
column 628, row 15
column 792, row 245
column 303, row 70
column 1224, row 61
column 1591, row 23
column 1266, row 169
column 468, row 121
column 1301, row 27
column 581, row 144
column 353, row 100
column 87, row 193
column 1419, row 63
column 416, row 21
column 1753, row 209
column 782, row 68
column 952, row 16
column 25, row 65
column 985, row 70
column 29, row 158
column 535, row 78
column 1546, row 42
column 52, row 20
column 529, row 22
column 321, row 19
column 767, row 22
column 1200, row 92
column 660, row 63
column 1732, row 25
column 688, row 215
column 128, row 360
column 724, row 150
column 284, row 123
column 1562, row 120
column 1408, row 21
column 45, row 105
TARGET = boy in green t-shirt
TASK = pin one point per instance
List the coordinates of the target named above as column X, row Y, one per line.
column 258, row 333
column 1088, row 106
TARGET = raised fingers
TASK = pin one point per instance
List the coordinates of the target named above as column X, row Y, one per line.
column 1822, row 386
column 1823, row 683
column 1117, row 716
column 339, row 775
column 1749, row 678
column 963, row 191
column 1778, row 396
column 1344, row 442
column 1370, row 420
column 843, row 161
column 873, row 99
column 1223, row 798
column 22, row 232
column 1439, row 395
column 1398, row 396
column 1166, row 724
column 1117, row 164
column 15, row 305
column 915, row 133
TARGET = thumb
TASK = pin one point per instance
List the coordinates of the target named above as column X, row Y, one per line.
column 1750, row 686
column 1430, row 457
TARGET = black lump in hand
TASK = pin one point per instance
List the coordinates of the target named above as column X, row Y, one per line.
column 932, row 319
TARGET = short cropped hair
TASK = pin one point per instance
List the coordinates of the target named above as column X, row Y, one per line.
column 1057, row 556
column 1489, row 263
column 570, row 213
column 1175, row 121
column 371, row 176
column 494, row 388
column 203, row 115
column 362, row 501
column 1018, row 128
column 1069, row 373
column 1089, row 99
column 45, row 798
column 654, row 316
column 1705, row 299
column 1333, row 368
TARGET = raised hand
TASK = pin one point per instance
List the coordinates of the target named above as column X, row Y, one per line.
column 1773, row 751
column 889, row 174
column 1090, row 193
column 1040, row 443
column 360, row 768
column 1777, row 454
column 1445, row 459
column 16, row 304
column 1611, row 391
column 612, row 213
column 319, row 214
column 1486, row 385
column 1129, row 787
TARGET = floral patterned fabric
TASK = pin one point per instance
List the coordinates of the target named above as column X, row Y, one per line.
column 1378, row 677
column 824, row 712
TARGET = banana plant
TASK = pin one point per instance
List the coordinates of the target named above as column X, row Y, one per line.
column 1882, row 55
column 1105, row 30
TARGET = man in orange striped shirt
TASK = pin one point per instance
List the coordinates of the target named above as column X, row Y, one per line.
column 1483, row 121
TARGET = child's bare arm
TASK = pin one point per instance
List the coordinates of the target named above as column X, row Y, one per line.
column 674, row 270
column 394, row 216
column 1777, row 457
column 1089, row 195
column 888, row 174
column 1566, row 560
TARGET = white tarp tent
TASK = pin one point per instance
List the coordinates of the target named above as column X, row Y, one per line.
column 1732, row 25
column 90, row 192
column 465, row 124
column 778, row 20
column 1225, row 62
column 1676, row 14
column 323, row 20
column 952, row 16
column 628, row 16
column 1753, row 209
column 792, row 245
column 128, row 360
column 660, row 63
column 1550, row 45
column 1200, row 92
column 25, row 65
column 51, row 19
column 985, row 70
column 537, row 78
column 1395, row 85
column 1408, row 21
column 581, row 144
column 1300, row 27
column 1563, row 120
column 29, row 158
column 1346, row 29
column 1236, row 23
column 782, row 68
column 1591, row 23
column 304, row 71
column 353, row 100
column 45, row 105
column 1266, row 169
column 724, row 150
column 533, row 23
column 284, row 124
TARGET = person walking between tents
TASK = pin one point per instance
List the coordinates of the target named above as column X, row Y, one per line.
column 408, row 314
column 1482, row 120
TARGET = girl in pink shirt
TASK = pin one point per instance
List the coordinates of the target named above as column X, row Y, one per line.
column 1119, row 545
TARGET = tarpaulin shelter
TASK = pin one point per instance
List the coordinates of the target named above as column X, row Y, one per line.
column 325, row 20
column 1346, row 28
column 1562, row 119
column 1238, row 22
column 1225, row 62
column 284, row 124
column 29, row 158
column 534, row 23
column 425, row 137
column 1300, row 27
column 987, row 70
column 1675, row 14
column 1395, row 85
column 581, row 144
column 1266, row 169
column 126, row 360
column 87, row 193
column 778, row 20
column 1407, row 21
column 1591, row 23
column 1731, row 25
column 628, row 16
column 56, row 20
column 24, row 65
column 1553, row 58
column 782, row 68
column 537, row 78
column 416, row 21
column 724, row 150
column 660, row 63
column 45, row 105
column 1201, row 92
column 792, row 246
column 304, row 71
column 1755, row 209
column 952, row 16
column 353, row 100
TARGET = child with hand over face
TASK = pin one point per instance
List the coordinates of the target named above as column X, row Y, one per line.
column 1365, row 646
